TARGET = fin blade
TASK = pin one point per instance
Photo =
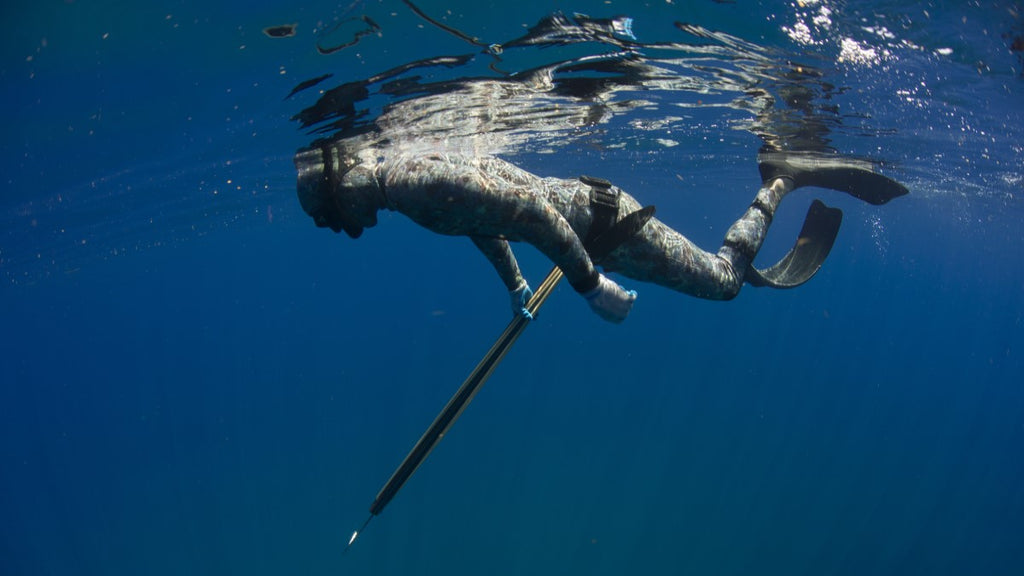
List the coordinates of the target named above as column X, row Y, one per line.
column 857, row 178
column 812, row 247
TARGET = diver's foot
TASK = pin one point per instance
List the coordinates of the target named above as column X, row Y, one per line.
column 855, row 177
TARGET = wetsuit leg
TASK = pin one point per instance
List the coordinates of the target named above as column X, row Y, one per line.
column 746, row 235
column 662, row 256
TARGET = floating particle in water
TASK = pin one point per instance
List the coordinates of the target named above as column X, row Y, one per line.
column 284, row 31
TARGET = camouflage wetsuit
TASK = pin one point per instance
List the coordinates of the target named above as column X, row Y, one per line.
column 493, row 202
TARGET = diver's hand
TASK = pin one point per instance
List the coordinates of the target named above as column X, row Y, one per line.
column 519, row 298
column 610, row 301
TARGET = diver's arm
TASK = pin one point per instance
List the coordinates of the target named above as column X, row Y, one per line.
column 504, row 261
column 486, row 198
column 499, row 253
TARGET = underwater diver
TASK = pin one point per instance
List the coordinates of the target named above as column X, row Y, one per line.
column 494, row 202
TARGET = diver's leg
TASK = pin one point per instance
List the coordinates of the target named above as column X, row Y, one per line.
column 662, row 256
column 746, row 235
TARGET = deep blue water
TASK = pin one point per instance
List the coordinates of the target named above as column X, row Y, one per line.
column 196, row 380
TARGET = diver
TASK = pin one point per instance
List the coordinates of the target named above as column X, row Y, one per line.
column 494, row 202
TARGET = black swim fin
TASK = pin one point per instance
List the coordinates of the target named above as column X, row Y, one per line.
column 808, row 254
column 855, row 177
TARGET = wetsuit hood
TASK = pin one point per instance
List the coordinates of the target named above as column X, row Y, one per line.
column 321, row 195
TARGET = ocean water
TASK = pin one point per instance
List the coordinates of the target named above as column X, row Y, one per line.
column 194, row 379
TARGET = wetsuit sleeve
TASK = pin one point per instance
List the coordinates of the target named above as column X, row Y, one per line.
column 501, row 257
